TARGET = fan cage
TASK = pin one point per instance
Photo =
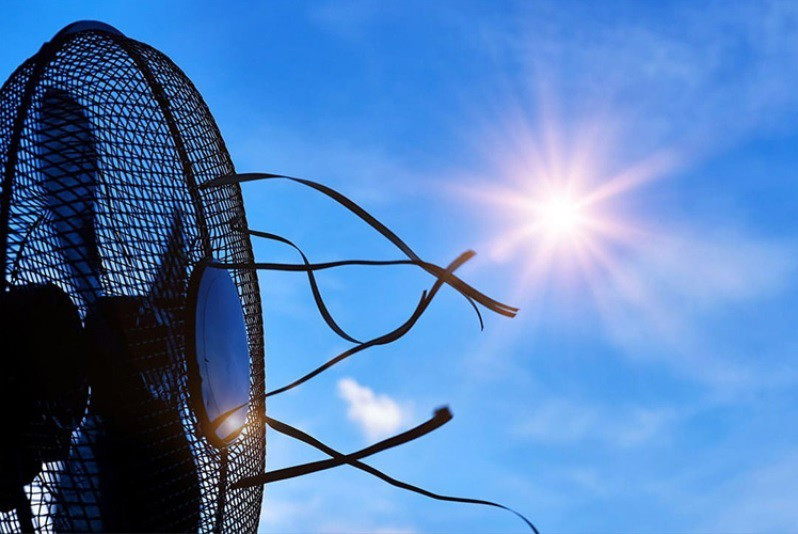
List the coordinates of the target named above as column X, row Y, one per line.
column 156, row 142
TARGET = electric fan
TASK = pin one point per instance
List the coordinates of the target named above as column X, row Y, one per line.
column 133, row 361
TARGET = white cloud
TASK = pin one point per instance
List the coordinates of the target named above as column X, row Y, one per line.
column 377, row 415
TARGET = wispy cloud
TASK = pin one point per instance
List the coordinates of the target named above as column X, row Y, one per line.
column 760, row 500
column 702, row 76
column 352, row 528
column 560, row 421
column 377, row 415
column 348, row 18
column 749, row 498
column 311, row 511
column 360, row 170
column 669, row 299
column 281, row 514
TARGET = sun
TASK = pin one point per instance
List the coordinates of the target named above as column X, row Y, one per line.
column 560, row 217
column 557, row 205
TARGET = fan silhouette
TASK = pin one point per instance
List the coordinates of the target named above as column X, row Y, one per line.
column 133, row 360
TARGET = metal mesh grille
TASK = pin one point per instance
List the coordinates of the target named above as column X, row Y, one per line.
column 155, row 141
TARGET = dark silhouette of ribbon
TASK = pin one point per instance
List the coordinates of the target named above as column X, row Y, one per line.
column 441, row 417
column 469, row 292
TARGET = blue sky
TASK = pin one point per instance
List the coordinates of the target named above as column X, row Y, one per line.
column 648, row 386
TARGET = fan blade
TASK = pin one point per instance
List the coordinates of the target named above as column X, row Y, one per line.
column 68, row 161
column 164, row 311
column 169, row 285
column 145, row 477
